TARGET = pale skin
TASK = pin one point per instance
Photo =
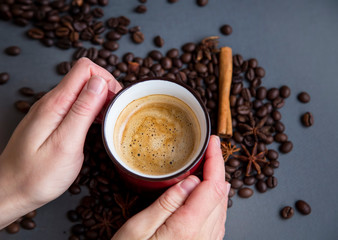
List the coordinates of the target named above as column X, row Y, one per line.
column 45, row 154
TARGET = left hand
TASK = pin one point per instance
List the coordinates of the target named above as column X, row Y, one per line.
column 45, row 153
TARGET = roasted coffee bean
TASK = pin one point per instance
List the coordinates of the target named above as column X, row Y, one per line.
column 261, row 186
column 63, row 43
column 287, row 212
column 253, row 63
column 111, row 45
column 113, row 35
column 166, row 63
column 113, row 60
column 35, row 33
column 4, row 77
column 173, row 53
column 91, row 234
column 158, row 41
column 189, row 47
column 141, row 9
column 63, row 68
column 238, row 60
column 286, row 147
column 201, row 68
column 101, row 62
column 307, row 119
column 13, row 50
column 276, row 115
column 279, row 126
column 304, row 97
column 74, row 189
column 284, row 92
column 28, row 224
column 249, row 180
column 236, row 88
column 272, row 94
column 236, row 183
column 243, row 110
column 245, row 66
column 303, row 207
column 274, row 164
column 226, row 29
column 128, row 57
column 31, row 214
column 78, row 229
column 134, row 29
column 22, row 106
column 269, row 107
column 138, row 37
column 261, row 93
column 104, row 53
column 261, row 147
column 245, row 192
column 256, row 83
column 246, row 94
column 155, row 55
column 237, row 137
column 72, row 216
column 278, row 102
column 272, row 154
column 26, row 91
column 13, row 228
column 233, row 162
column 262, row 112
column 272, row 182
column 257, row 104
column 124, row 21
column 202, row 3
column 260, row 176
column 280, row 137
column 232, row 192
column 73, row 237
column 79, row 53
column 269, row 122
column 259, row 72
column 229, row 203
column 230, row 169
column 268, row 171
column 250, row 75
column 116, row 73
column 238, row 173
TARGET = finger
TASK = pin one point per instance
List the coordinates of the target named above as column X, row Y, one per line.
column 73, row 129
column 214, row 164
column 197, row 208
column 149, row 220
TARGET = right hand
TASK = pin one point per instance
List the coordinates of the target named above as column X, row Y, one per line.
column 189, row 210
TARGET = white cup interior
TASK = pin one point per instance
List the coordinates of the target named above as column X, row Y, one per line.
column 145, row 88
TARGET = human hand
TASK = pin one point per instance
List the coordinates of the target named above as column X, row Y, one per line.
column 45, row 153
column 189, row 210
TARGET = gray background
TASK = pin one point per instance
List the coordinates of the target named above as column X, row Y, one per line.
column 296, row 41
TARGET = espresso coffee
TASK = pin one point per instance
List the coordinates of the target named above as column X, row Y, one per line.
column 157, row 134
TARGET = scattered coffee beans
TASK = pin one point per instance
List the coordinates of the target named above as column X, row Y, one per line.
column 226, row 29
column 158, row 41
column 141, row 9
column 13, row 228
column 303, row 207
column 287, row 212
column 138, row 37
column 202, row 3
column 4, row 77
column 245, row 192
column 307, row 119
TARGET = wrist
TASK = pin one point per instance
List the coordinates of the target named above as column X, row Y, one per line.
column 13, row 203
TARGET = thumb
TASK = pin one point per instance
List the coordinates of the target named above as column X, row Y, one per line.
column 74, row 127
column 144, row 224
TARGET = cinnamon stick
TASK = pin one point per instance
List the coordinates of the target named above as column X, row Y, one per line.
column 225, row 77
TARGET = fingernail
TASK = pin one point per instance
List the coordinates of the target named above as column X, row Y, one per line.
column 218, row 140
column 96, row 84
column 189, row 184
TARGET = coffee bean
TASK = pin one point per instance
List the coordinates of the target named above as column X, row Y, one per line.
column 307, row 119
column 22, row 106
column 249, row 180
column 4, row 77
column 202, row 3
column 303, row 207
column 138, row 37
column 26, row 91
column 261, row 147
column 113, row 35
column 245, row 192
column 189, row 47
column 280, row 137
column 262, row 112
column 276, row 115
column 260, row 176
column 28, row 224
column 271, row 182
column 237, row 60
column 128, row 57
column 250, row 75
column 35, row 33
column 186, row 57
column 287, row 212
column 259, row 72
column 237, row 137
column 274, row 164
column 79, row 53
column 257, row 104
column 261, row 186
column 63, row 68
column 286, row 147
column 78, row 229
column 229, row 203
column 201, row 68
column 173, row 53
column 272, row 154
column 272, row 94
column 253, row 63
column 233, row 162
column 278, row 102
column 236, row 183
column 13, row 228
column 243, row 110
column 113, row 60
column 13, row 50
column 155, row 55
column 158, row 41
column 246, row 94
column 141, row 9
column 261, row 93
column 74, row 189
column 279, row 126
column 304, row 97
column 284, row 92
column 226, row 29
column 111, row 45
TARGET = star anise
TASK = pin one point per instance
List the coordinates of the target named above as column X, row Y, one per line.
column 259, row 131
column 105, row 223
column 228, row 150
column 125, row 204
column 252, row 159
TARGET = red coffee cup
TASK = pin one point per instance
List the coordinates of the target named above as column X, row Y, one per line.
column 140, row 89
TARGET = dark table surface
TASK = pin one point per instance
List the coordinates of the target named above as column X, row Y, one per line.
column 296, row 41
